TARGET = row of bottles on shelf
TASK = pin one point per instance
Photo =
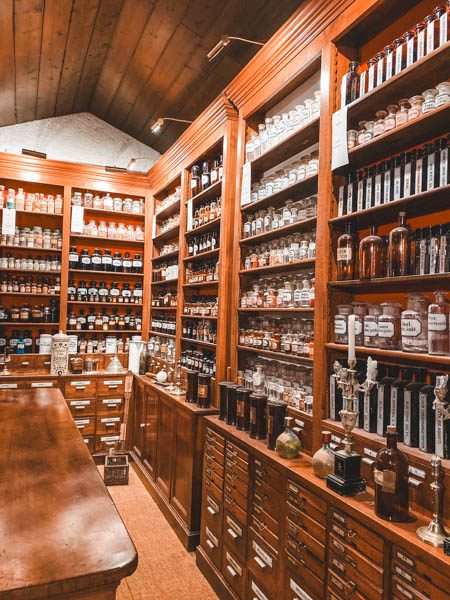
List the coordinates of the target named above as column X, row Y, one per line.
column 280, row 381
column 110, row 344
column 420, row 170
column 199, row 330
column 277, row 128
column 205, row 176
column 422, row 327
column 203, row 243
column 31, row 202
column 128, row 293
column 168, row 224
column 104, row 260
column 306, row 166
column 167, row 299
column 281, row 292
column 203, row 361
column 403, row 52
column 26, row 285
column 161, row 347
column 168, row 249
column 165, row 271
column 27, row 314
column 107, row 202
column 209, row 211
column 33, row 237
column 403, row 252
column 113, row 231
column 201, row 272
column 165, row 325
column 273, row 218
column 398, row 114
column 201, row 306
column 172, row 198
column 103, row 321
column 292, row 248
column 23, row 341
column 42, row 264
column 291, row 336
column 402, row 397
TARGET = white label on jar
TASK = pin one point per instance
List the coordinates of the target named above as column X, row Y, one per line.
column 386, row 329
column 85, row 260
column 299, row 591
column 127, row 263
column 423, row 422
column 360, row 197
column 73, row 257
column 437, row 322
column 410, row 52
column 370, row 329
column 430, row 37
column 371, row 78
column 421, row 44
column 114, row 292
column 419, row 171
column 358, row 327
column 443, row 25
column 350, row 198
column 393, row 414
column 443, row 172
column 344, row 254
column 96, row 260
column 407, row 417
column 398, row 59
column 304, row 296
column 443, row 254
column 389, row 65
column 341, row 200
column 107, row 260
column 397, row 183
column 258, row 592
column 369, row 192
column 378, row 189
column 340, row 325
column 380, row 410
column 411, row 327
column 387, row 186
column 380, row 65
column 193, row 183
column 126, row 293
column 430, row 172
column 407, row 181
column 137, row 293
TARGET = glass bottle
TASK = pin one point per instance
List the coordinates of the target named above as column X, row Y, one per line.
column 323, row 459
column 288, row 444
column 438, row 325
column 399, row 249
column 391, row 481
column 346, row 255
column 372, row 261
column 414, row 324
column 340, row 323
column 371, row 325
column 389, row 326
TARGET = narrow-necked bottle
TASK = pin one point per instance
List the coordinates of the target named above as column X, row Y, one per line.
column 346, row 255
column 372, row 263
column 399, row 249
column 323, row 459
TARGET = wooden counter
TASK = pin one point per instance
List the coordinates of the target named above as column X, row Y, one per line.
column 60, row 533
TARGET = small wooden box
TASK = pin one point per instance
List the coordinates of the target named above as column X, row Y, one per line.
column 116, row 470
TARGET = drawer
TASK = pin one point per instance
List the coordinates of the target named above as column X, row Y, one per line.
column 215, row 439
column 232, row 467
column 235, row 535
column 256, row 591
column 304, row 563
column 36, row 384
column 233, row 451
column 235, row 482
column 267, row 503
column 213, row 453
column 90, row 443
column 312, row 527
column 306, row 501
column 85, row 425
column 262, row 562
column 42, row 363
column 268, row 536
column 213, row 476
column 234, row 493
column 234, row 509
column 408, row 568
column 304, row 540
column 420, row 586
column 268, row 522
column 80, row 388
column 360, row 564
column 263, row 472
column 349, row 572
column 263, row 487
column 301, row 584
column 81, row 407
column 212, row 489
column 23, row 363
column 234, row 571
column 212, row 544
column 103, row 443
column 215, row 466
column 111, row 385
column 342, row 588
column 357, row 536
column 110, row 405
column 213, row 514
column 108, row 425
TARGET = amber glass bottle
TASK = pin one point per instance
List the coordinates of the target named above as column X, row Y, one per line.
column 399, row 249
column 346, row 255
column 372, row 256
column 391, row 481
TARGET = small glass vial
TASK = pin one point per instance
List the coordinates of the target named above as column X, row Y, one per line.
column 438, row 325
column 414, row 324
column 389, row 326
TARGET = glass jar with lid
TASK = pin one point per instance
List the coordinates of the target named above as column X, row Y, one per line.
column 378, row 128
column 401, row 116
column 88, row 200
column 389, row 120
column 352, row 138
column 341, row 323
column 369, row 134
column 414, row 324
column 429, row 100
column 415, row 111
column 97, row 202
column 315, row 106
column 108, row 202
column 303, row 168
column 127, row 206
column 389, row 334
column 443, row 93
column 371, row 325
column 360, row 311
column 361, row 138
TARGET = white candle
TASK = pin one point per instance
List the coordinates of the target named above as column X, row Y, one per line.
column 351, row 338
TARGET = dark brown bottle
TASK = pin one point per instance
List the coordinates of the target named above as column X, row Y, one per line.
column 391, row 481
column 372, row 256
column 399, row 249
column 346, row 255
column 352, row 82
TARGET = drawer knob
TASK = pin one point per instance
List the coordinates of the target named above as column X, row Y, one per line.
column 351, row 533
column 350, row 562
column 350, row 587
column 211, row 510
column 25, row 364
column 261, row 472
column 262, row 565
column 210, row 544
column 233, row 534
column 231, row 571
column 142, row 425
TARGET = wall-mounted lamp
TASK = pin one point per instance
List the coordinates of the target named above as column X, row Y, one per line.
column 160, row 122
column 34, row 153
column 115, row 169
column 133, row 161
column 224, row 41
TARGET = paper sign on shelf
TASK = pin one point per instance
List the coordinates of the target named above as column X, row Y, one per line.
column 154, row 227
column 190, row 215
column 9, row 221
column 77, row 221
column 246, row 183
column 339, row 155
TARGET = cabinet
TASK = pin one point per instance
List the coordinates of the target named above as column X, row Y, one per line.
column 164, row 449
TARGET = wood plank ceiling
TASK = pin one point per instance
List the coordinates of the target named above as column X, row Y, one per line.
column 126, row 61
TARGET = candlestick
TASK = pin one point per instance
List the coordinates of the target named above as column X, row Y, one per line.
column 351, row 338
column 434, row 533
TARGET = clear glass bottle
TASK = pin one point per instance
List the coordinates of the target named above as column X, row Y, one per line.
column 438, row 325
column 341, row 323
column 371, row 325
column 414, row 324
column 288, row 444
column 389, row 328
column 323, row 459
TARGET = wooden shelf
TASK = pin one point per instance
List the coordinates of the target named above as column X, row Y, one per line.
column 114, row 214
column 167, row 235
column 392, row 284
column 172, row 254
column 107, row 273
column 415, row 206
column 293, row 266
column 112, row 304
column 281, row 356
column 202, row 256
column 168, row 211
column 166, row 282
column 32, row 250
column 276, row 310
column 421, row 75
column 300, row 140
column 203, row 228
column 199, row 317
column 29, row 294
column 276, row 233
column 26, row 324
column 32, row 272
column 198, row 343
column 214, row 190
column 395, row 355
column 302, row 189
column 38, row 214
column 107, row 332
column 403, row 137
column 106, row 242
column 203, row 284
column 164, row 308
column 166, row 335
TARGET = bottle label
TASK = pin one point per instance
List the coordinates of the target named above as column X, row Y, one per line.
column 434, row 254
column 362, row 83
column 389, row 65
column 443, row 254
column 443, row 172
column 437, row 322
column 393, row 414
column 203, row 391
column 205, row 180
column 127, row 263
column 387, row 186
column 360, row 198
column 407, row 181
column 107, row 260
column 423, row 422
column 443, row 25
column 371, row 78
column 213, row 176
column 340, row 326
column 193, row 183
column 411, row 328
column 377, row 190
column 73, row 257
column 358, row 327
column 430, row 37
column 137, row 293
column 380, row 410
column 421, row 44
column 114, row 292
column 386, row 329
column 397, row 183
column 430, row 172
column 349, row 198
column 85, row 260
column 370, row 329
column 96, row 260
column 422, row 256
column 369, row 192
column 386, row 479
column 117, row 262
column 440, row 415
column 333, row 397
column 419, row 171
column 407, row 417
column 344, row 254
column 398, row 58
column 410, row 51
column 380, row 65
column 366, row 412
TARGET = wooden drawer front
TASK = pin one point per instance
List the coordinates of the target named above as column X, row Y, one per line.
column 213, row 476
column 234, row 571
column 266, row 474
column 212, row 545
column 342, row 588
column 233, row 452
column 349, row 573
column 108, row 425
column 214, row 439
column 234, row 482
column 85, row 425
column 259, row 524
column 214, row 465
column 267, row 503
column 214, row 454
column 304, row 540
column 36, row 384
column 213, row 514
column 103, row 443
column 111, row 385
column 22, row 363
column 90, row 443
column 309, row 525
column 212, row 489
column 234, row 509
column 419, row 586
column 110, row 405
column 263, row 487
column 81, row 407
column 263, row 562
column 256, row 591
column 234, row 493
column 233, row 467
column 235, row 535
column 305, row 563
column 302, row 584
column 412, row 570
column 357, row 536
column 307, row 502
column 80, row 388
column 360, row 564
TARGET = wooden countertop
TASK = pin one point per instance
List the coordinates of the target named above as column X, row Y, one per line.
column 59, row 529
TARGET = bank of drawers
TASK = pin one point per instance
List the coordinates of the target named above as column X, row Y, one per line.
column 355, row 561
column 412, row 579
column 213, row 469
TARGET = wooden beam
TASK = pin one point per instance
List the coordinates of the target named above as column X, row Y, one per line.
column 7, row 91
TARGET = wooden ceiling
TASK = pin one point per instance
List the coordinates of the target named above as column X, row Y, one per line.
column 126, row 61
